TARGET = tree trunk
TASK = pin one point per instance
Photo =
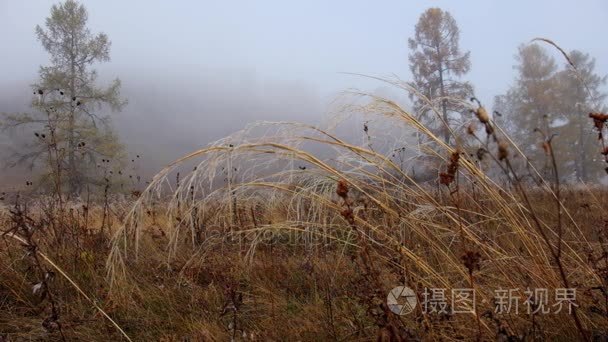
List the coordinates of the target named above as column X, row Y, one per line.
column 72, row 172
column 581, row 152
column 444, row 109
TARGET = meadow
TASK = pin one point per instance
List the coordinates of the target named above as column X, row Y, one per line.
column 285, row 231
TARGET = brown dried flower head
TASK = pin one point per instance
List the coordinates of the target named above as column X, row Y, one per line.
column 445, row 178
column 448, row 177
column 342, row 188
column 454, row 158
column 482, row 115
column 503, row 152
column 471, row 260
column 599, row 119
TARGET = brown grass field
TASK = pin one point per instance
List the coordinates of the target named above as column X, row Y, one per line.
column 259, row 237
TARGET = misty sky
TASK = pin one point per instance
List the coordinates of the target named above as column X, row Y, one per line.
column 196, row 71
column 305, row 41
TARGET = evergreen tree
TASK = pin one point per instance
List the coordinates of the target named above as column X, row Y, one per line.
column 437, row 63
column 71, row 134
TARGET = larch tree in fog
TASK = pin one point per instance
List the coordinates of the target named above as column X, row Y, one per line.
column 530, row 102
column 547, row 102
column 581, row 93
column 437, row 65
column 530, row 107
column 71, row 134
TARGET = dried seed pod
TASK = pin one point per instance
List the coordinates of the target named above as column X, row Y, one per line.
column 482, row 115
column 342, row 188
column 503, row 152
column 471, row 260
column 471, row 129
column 446, row 178
column 599, row 120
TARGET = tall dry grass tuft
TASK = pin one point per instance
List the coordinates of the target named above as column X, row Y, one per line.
column 272, row 184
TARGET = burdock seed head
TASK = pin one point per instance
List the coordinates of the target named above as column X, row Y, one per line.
column 342, row 188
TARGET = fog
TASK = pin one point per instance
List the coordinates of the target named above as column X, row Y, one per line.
column 168, row 118
column 195, row 71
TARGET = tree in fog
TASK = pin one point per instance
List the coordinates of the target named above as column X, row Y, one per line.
column 546, row 101
column 437, row 64
column 531, row 99
column 69, row 102
column 580, row 93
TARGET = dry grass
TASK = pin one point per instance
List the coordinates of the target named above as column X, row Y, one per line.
column 254, row 242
